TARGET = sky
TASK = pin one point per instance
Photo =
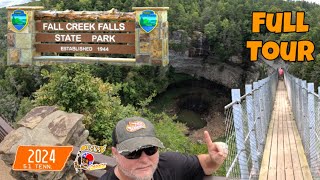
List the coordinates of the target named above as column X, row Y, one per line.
column 6, row 3
column 316, row 1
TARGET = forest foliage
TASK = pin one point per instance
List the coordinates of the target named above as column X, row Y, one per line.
column 226, row 24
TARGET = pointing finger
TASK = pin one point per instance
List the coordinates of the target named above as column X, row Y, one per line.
column 207, row 139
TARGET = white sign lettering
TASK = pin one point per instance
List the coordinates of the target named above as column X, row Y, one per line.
column 67, row 38
column 51, row 26
column 74, row 48
column 103, row 38
column 111, row 27
column 81, row 26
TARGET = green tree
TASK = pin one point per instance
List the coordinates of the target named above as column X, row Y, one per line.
column 74, row 89
column 26, row 105
column 137, row 83
column 15, row 84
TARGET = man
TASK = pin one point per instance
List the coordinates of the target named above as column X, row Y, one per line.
column 135, row 148
column 281, row 73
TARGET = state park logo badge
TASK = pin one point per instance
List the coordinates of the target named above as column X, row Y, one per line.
column 148, row 20
column 19, row 19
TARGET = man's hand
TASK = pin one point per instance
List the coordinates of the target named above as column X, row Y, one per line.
column 217, row 153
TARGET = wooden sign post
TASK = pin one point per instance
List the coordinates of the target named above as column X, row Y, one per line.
column 44, row 37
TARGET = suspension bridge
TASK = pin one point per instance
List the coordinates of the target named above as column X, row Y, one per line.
column 273, row 130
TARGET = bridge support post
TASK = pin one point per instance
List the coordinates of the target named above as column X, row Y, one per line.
column 289, row 89
column 251, row 125
column 317, row 143
column 312, row 126
column 263, row 109
column 304, row 119
column 238, row 125
column 298, row 103
column 256, row 97
column 293, row 94
column 300, row 117
column 268, row 100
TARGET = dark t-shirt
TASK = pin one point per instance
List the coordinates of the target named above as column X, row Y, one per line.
column 172, row 166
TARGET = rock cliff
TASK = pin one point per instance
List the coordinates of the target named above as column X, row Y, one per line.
column 189, row 54
column 45, row 125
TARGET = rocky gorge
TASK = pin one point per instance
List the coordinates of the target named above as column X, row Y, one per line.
column 211, row 84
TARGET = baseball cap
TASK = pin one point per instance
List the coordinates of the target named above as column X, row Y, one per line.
column 133, row 133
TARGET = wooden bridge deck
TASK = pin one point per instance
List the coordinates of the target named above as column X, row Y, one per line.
column 284, row 157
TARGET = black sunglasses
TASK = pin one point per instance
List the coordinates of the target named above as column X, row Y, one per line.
column 137, row 154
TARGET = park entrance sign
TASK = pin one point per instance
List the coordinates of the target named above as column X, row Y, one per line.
column 44, row 37
column 101, row 43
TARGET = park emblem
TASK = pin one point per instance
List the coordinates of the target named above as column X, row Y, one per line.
column 148, row 20
column 19, row 19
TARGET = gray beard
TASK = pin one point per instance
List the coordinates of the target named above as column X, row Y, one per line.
column 132, row 176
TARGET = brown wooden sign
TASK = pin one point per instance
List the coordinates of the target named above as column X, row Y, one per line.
column 85, row 37
column 86, row 26
column 68, row 37
column 75, row 36
column 86, row 48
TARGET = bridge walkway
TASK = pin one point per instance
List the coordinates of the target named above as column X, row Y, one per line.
column 284, row 157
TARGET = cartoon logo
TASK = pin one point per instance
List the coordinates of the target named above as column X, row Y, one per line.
column 148, row 20
column 19, row 19
column 85, row 158
column 135, row 126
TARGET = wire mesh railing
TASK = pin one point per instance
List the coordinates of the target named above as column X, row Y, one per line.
column 247, row 120
column 305, row 104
